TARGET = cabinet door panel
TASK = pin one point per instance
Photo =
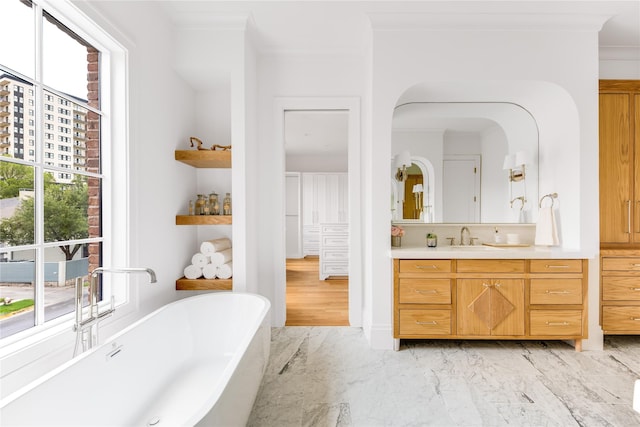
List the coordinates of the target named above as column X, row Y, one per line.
column 615, row 168
column 490, row 307
column 636, row 178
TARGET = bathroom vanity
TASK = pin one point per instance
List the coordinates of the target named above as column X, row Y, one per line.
column 479, row 293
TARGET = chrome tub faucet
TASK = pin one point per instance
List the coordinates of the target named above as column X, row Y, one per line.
column 87, row 329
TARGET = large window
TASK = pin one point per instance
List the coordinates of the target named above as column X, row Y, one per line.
column 50, row 212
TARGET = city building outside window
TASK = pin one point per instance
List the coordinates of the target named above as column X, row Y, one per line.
column 51, row 220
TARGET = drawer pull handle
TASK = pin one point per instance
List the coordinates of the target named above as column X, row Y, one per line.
column 433, row 322
column 557, row 292
column 635, row 319
column 426, row 291
column 635, row 265
column 635, row 289
column 558, row 323
column 422, row 267
column 556, row 266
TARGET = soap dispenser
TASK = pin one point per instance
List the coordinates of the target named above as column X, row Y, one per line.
column 497, row 237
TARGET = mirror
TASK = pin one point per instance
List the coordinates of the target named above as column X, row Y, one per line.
column 457, row 153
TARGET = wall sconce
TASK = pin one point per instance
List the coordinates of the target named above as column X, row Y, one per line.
column 515, row 163
column 402, row 161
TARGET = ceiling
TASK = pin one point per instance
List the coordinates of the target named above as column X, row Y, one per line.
column 342, row 27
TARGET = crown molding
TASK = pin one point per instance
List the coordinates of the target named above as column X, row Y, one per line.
column 487, row 21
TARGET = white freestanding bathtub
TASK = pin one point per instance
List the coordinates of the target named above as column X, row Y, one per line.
column 197, row 361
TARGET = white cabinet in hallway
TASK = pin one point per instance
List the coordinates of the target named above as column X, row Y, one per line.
column 325, row 199
column 334, row 250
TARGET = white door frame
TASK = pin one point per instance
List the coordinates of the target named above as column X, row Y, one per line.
column 352, row 105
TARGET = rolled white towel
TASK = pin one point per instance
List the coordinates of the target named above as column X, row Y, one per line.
column 199, row 260
column 225, row 271
column 209, row 271
column 192, row 272
column 222, row 257
column 216, row 245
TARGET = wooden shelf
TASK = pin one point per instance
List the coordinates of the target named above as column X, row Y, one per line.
column 184, row 284
column 204, row 158
column 203, row 219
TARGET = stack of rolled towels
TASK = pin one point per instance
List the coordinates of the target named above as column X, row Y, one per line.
column 214, row 261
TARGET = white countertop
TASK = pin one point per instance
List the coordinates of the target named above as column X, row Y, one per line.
column 484, row 252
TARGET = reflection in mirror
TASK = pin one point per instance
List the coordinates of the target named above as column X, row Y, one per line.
column 466, row 145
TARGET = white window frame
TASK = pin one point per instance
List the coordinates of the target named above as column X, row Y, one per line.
column 115, row 188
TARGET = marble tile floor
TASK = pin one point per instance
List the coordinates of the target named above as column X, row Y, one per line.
column 328, row 376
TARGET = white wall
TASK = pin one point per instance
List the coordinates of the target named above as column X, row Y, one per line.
column 290, row 77
column 317, row 163
column 530, row 68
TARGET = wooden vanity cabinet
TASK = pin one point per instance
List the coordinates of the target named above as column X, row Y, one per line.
column 491, row 299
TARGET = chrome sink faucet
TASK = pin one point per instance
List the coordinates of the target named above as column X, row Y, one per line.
column 465, row 236
column 87, row 329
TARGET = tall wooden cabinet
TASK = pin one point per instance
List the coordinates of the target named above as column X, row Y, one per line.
column 620, row 206
column 619, row 162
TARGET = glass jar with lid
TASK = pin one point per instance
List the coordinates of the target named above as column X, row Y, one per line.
column 200, row 202
column 226, row 204
column 214, row 206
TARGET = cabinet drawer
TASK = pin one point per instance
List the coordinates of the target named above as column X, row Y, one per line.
column 334, row 229
column 490, row 266
column 335, row 268
column 620, row 263
column 556, row 322
column 556, row 266
column 425, row 322
column 425, row 291
column 621, row 318
column 335, row 255
column 621, row 288
column 337, row 240
column 425, row 266
column 556, row 291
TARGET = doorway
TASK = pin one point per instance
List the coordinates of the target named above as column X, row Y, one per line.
column 350, row 210
column 316, row 217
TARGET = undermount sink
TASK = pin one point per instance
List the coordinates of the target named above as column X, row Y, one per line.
column 470, row 248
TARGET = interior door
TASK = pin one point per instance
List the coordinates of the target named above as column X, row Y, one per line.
column 461, row 185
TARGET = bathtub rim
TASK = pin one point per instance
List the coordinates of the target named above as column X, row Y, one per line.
column 233, row 362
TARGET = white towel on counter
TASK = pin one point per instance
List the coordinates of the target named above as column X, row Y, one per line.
column 225, row 271
column 200, row 260
column 222, row 257
column 209, row 271
column 208, row 247
column 546, row 230
column 192, row 272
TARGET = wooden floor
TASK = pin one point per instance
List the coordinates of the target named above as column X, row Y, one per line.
column 315, row 302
